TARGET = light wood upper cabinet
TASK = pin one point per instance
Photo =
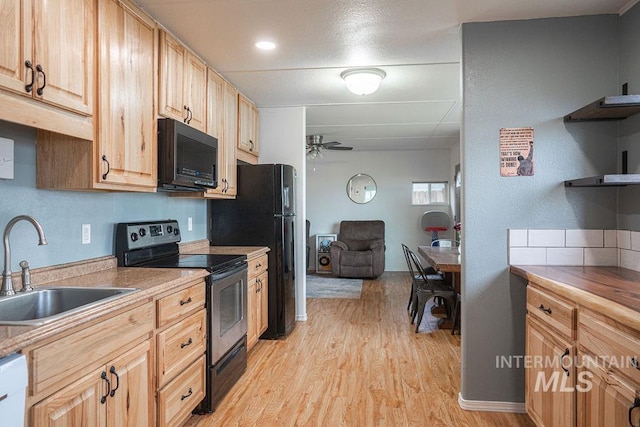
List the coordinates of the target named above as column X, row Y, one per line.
column 126, row 135
column 123, row 152
column 183, row 83
column 221, row 111
column 47, row 64
column 248, row 144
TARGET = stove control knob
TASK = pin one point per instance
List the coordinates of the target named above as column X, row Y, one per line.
column 176, row 231
column 169, row 229
column 142, row 232
column 134, row 236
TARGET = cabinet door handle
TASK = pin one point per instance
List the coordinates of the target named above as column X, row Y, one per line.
column 187, row 301
column 636, row 404
column 189, row 393
column 187, row 119
column 565, row 354
column 113, row 371
column 29, row 65
column 184, row 344
column 104, row 159
column 40, row 90
column 103, row 399
column 545, row 309
column 634, row 362
column 252, row 145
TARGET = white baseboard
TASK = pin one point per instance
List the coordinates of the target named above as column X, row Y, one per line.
column 301, row 317
column 491, row 406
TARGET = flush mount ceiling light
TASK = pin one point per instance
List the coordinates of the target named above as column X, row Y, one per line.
column 363, row 81
column 265, row 45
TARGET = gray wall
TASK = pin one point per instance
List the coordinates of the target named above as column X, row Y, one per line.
column 629, row 129
column 520, row 74
column 328, row 203
column 62, row 213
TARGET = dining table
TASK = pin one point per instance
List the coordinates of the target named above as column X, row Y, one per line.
column 445, row 260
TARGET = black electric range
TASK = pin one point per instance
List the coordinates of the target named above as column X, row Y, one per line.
column 154, row 244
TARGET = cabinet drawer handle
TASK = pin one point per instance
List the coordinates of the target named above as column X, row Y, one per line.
column 184, row 344
column 103, row 399
column 565, row 354
column 104, row 159
column 188, row 300
column 29, row 65
column 113, row 371
column 545, row 309
column 636, row 404
column 189, row 393
column 634, row 362
column 40, row 90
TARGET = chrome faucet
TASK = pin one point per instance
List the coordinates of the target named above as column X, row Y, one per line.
column 7, row 284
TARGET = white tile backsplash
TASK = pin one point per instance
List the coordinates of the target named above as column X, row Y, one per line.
column 518, row 238
column 624, row 239
column 584, row 238
column 575, row 247
column 527, row 256
column 610, row 239
column 565, row 256
column 635, row 241
column 546, row 238
column 601, row 256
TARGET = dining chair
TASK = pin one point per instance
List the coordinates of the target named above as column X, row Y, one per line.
column 426, row 289
column 431, row 273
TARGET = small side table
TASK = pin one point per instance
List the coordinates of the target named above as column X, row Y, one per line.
column 323, row 257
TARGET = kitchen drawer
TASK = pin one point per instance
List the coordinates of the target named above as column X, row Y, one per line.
column 552, row 310
column 180, row 344
column 615, row 346
column 178, row 304
column 257, row 266
column 182, row 395
column 58, row 362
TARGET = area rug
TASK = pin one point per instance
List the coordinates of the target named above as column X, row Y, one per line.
column 324, row 286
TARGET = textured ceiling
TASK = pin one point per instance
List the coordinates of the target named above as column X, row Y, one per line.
column 416, row 42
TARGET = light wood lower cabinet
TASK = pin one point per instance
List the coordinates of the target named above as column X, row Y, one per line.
column 550, row 382
column 181, row 343
column 257, row 298
column 118, row 394
column 596, row 380
column 101, row 375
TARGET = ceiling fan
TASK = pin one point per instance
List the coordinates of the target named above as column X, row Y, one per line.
column 315, row 145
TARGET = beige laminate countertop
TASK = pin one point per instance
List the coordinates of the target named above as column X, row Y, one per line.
column 149, row 281
column 203, row 247
column 610, row 290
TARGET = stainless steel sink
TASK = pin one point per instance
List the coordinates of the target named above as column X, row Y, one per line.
column 47, row 304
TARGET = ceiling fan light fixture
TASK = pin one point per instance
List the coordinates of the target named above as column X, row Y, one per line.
column 314, row 153
column 363, row 81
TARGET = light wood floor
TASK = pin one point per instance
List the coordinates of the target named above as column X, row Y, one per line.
column 355, row 362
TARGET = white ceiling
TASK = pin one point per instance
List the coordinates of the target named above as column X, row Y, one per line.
column 416, row 42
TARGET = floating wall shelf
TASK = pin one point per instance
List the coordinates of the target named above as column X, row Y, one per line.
column 608, row 108
column 614, row 180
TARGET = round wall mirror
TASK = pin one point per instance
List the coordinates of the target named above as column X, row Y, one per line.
column 361, row 188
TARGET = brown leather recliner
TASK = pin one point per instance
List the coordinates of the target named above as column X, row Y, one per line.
column 359, row 250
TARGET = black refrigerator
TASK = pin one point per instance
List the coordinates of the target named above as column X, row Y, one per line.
column 263, row 214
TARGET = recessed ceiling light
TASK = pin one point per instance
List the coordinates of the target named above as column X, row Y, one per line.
column 266, row 45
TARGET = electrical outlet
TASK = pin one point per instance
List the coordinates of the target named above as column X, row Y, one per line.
column 189, row 224
column 6, row 158
column 86, row 234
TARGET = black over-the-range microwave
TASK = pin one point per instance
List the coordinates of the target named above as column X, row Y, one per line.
column 187, row 157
